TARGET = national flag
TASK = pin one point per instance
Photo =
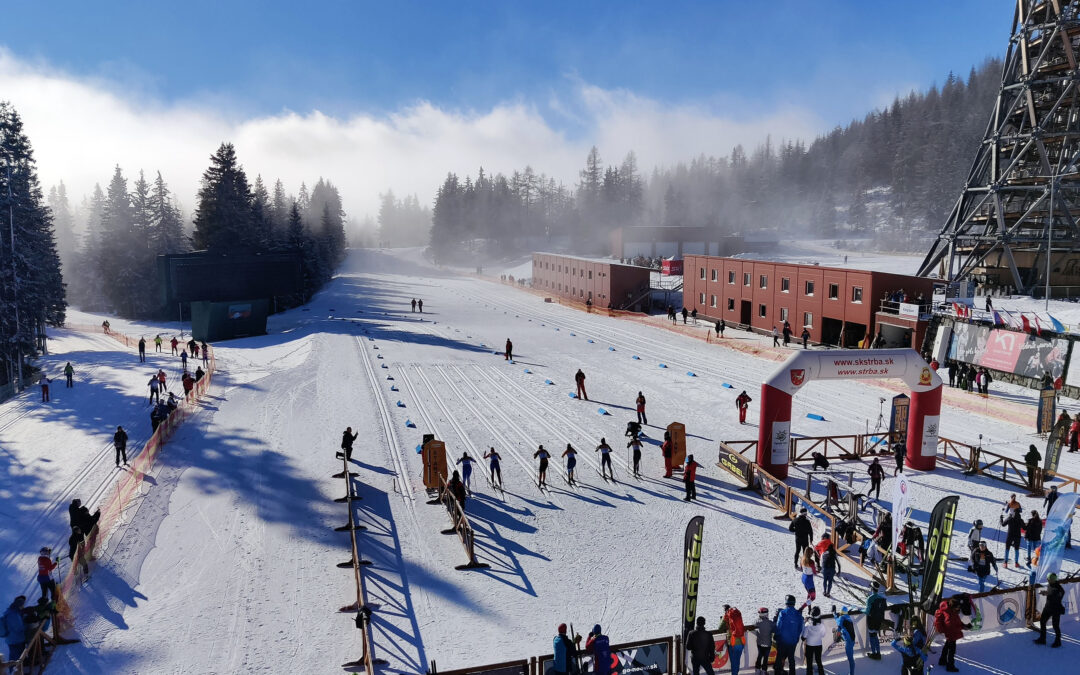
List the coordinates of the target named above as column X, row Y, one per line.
column 1058, row 327
column 998, row 321
column 1027, row 324
column 1038, row 328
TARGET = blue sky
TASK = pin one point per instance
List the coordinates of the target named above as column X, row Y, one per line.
column 392, row 95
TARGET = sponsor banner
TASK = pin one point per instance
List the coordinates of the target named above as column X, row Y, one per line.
column 1054, row 445
column 901, row 500
column 898, row 420
column 1072, row 377
column 780, row 447
column 735, row 464
column 240, row 311
column 1002, row 350
column 847, row 364
column 938, row 540
column 1044, row 424
column 1055, row 535
column 929, row 435
column 1009, row 351
column 691, row 572
column 1000, row 612
column 909, row 310
column 518, row 668
column 649, row 659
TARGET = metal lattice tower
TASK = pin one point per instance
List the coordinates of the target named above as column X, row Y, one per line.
column 1018, row 212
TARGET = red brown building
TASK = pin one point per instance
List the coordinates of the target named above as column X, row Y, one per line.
column 606, row 284
column 838, row 306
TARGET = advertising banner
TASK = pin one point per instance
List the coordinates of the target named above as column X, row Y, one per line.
column 735, row 464
column 909, row 310
column 1056, row 442
column 781, row 442
column 1044, row 424
column 928, row 446
column 901, row 501
column 938, row 540
column 647, row 659
column 1055, row 535
column 691, row 572
column 1072, row 377
column 1001, row 612
column 1002, row 350
column 1008, row 350
column 898, row 420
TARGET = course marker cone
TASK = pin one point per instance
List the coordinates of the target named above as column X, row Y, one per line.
column 727, row 386
column 527, row 371
column 636, row 357
column 691, row 373
column 611, row 349
column 572, row 395
column 400, row 404
column 815, row 416
column 410, row 424
column 393, row 387
column 663, row 365
column 548, row 382
column 601, row 411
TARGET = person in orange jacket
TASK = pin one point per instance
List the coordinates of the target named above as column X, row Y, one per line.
column 689, row 475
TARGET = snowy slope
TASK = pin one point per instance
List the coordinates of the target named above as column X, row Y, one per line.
column 229, row 563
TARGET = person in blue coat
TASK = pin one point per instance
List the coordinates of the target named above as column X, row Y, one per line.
column 912, row 658
column 564, row 651
column 846, row 628
column 600, row 647
column 13, row 629
column 789, row 626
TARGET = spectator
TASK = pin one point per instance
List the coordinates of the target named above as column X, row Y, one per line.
column 875, row 619
column 689, row 477
column 1014, row 526
column 804, row 533
column 563, row 650
column 775, row 337
column 813, row 636
column 457, row 488
column 77, row 551
column 981, row 562
column 805, row 337
column 877, row 474
column 81, row 518
column 830, row 567
column 189, row 383
column 763, row 632
column 1052, row 610
column 46, row 565
column 120, row 439
column 13, row 628
column 1033, row 534
column 1032, row 459
column 947, row 622
column 789, row 626
column 600, row 647
column 205, row 352
column 736, row 640
column 845, row 628
column 702, row 648
column 199, row 374
column 347, row 438
column 142, row 350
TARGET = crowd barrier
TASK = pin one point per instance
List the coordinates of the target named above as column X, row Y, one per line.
column 40, row 647
column 461, row 527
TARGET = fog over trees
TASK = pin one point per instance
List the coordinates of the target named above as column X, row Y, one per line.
column 893, row 175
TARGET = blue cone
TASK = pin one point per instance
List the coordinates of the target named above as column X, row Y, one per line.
column 528, row 371
column 601, row 411
column 393, row 387
column 611, row 349
column 419, row 449
column 663, row 365
column 385, row 366
column 390, row 377
column 690, row 373
column 636, row 357
column 573, row 334
column 572, row 395
column 589, row 341
column 548, row 382
column 815, row 416
column 400, row 404
column 727, row 386
column 410, row 424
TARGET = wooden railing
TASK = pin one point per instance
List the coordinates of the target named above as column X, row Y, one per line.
column 460, row 526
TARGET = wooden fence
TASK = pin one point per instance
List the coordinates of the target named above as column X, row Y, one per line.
column 460, row 526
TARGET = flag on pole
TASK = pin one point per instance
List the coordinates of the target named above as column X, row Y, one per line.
column 1038, row 328
column 998, row 321
column 1058, row 326
column 1027, row 324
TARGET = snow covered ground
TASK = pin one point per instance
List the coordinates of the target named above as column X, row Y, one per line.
column 229, row 562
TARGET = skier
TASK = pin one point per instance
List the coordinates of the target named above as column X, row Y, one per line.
column 562, row 647
column 543, row 455
column 174, row 342
column 44, row 382
column 194, row 348
column 414, row 304
column 974, row 537
column 600, row 647
column 635, row 443
column 813, row 635
column 787, row 333
column 689, row 475
column 120, row 443
column 702, row 648
column 77, row 551
column 845, row 628
column 46, row 564
column 161, row 381
column 13, row 628
column 191, row 345
column 154, row 384
column 605, row 459
column 1052, row 610
column 205, row 352
column 579, row 378
column 804, row 532
column 742, row 402
column 981, row 562
column 466, row 463
column 667, row 448
column 347, row 438
column 763, row 631
column 142, row 350
column 420, row 306
column 1014, row 525
column 640, row 403
column 877, row 474
column 899, row 451
column 808, row 570
column 509, row 354
column 157, row 342
column 199, row 374
column 911, row 658
column 875, row 618
column 947, row 622
column 493, row 463
column 789, row 626
column 805, row 337
column 1032, row 459
column 775, row 337
column 830, row 567
column 1033, row 534
column 188, row 383
column 183, row 361
column 69, row 373
column 571, row 463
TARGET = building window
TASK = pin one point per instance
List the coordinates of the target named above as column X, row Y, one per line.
column 731, row 278
column 809, row 287
column 746, row 279
column 762, row 311
column 582, row 274
column 714, row 276
column 701, row 273
column 834, row 291
column 785, row 285
column 712, row 301
column 590, row 274
column 783, row 313
column 808, row 319
column 856, row 294
column 763, row 281
column 731, row 304
column 701, row 298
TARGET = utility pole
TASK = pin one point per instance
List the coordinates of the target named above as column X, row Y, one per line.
column 17, row 379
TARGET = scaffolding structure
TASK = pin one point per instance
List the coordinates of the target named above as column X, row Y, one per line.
column 1015, row 223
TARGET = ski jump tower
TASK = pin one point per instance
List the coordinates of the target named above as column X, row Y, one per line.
column 1016, row 222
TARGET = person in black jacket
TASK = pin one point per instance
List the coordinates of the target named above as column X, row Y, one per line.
column 981, row 562
column 1052, row 610
column 347, row 438
column 804, row 532
column 77, row 551
column 1014, row 526
column 120, row 442
column 702, row 648
column 1033, row 534
column 81, row 518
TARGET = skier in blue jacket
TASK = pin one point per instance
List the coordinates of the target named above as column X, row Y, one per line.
column 13, row 629
column 789, row 626
column 600, row 647
column 846, row 627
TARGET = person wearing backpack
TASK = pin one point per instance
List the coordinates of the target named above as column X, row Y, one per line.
column 702, row 648
column 789, row 626
column 845, row 632
column 875, row 617
column 947, row 622
column 911, row 658
column 564, row 653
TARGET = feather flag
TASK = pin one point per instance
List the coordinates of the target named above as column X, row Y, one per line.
column 1058, row 327
column 1027, row 324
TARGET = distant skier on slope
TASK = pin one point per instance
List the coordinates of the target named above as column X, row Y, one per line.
column 120, row 439
column 742, row 402
column 605, row 459
column 579, row 378
column 544, row 455
column 493, row 463
column 635, row 443
column 466, row 463
column 640, row 404
column 571, row 462
column 509, row 350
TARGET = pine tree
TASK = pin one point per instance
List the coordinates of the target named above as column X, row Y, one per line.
column 279, row 213
column 223, row 218
column 167, row 224
column 261, row 216
column 63, row 223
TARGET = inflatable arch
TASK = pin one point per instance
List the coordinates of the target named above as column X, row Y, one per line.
column 774, row 430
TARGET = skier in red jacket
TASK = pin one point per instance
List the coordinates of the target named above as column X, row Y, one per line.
column 743, row 404
column 947, row 622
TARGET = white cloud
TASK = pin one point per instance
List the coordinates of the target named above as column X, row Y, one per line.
column 81, row 128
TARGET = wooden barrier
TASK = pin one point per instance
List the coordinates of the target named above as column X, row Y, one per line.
column 737, row 465
column 774, row 491
column 461, row 527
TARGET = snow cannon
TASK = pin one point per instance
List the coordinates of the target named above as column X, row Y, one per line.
column 601, row 411
column 691, row 373
column 548, row 382
column 400, row 404
column 611, row 349
column 815, row 416
column 410, row 424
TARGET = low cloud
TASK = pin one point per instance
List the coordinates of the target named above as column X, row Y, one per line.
column 82, row 127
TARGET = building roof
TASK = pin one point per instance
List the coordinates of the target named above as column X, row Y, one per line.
column 606, row 261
